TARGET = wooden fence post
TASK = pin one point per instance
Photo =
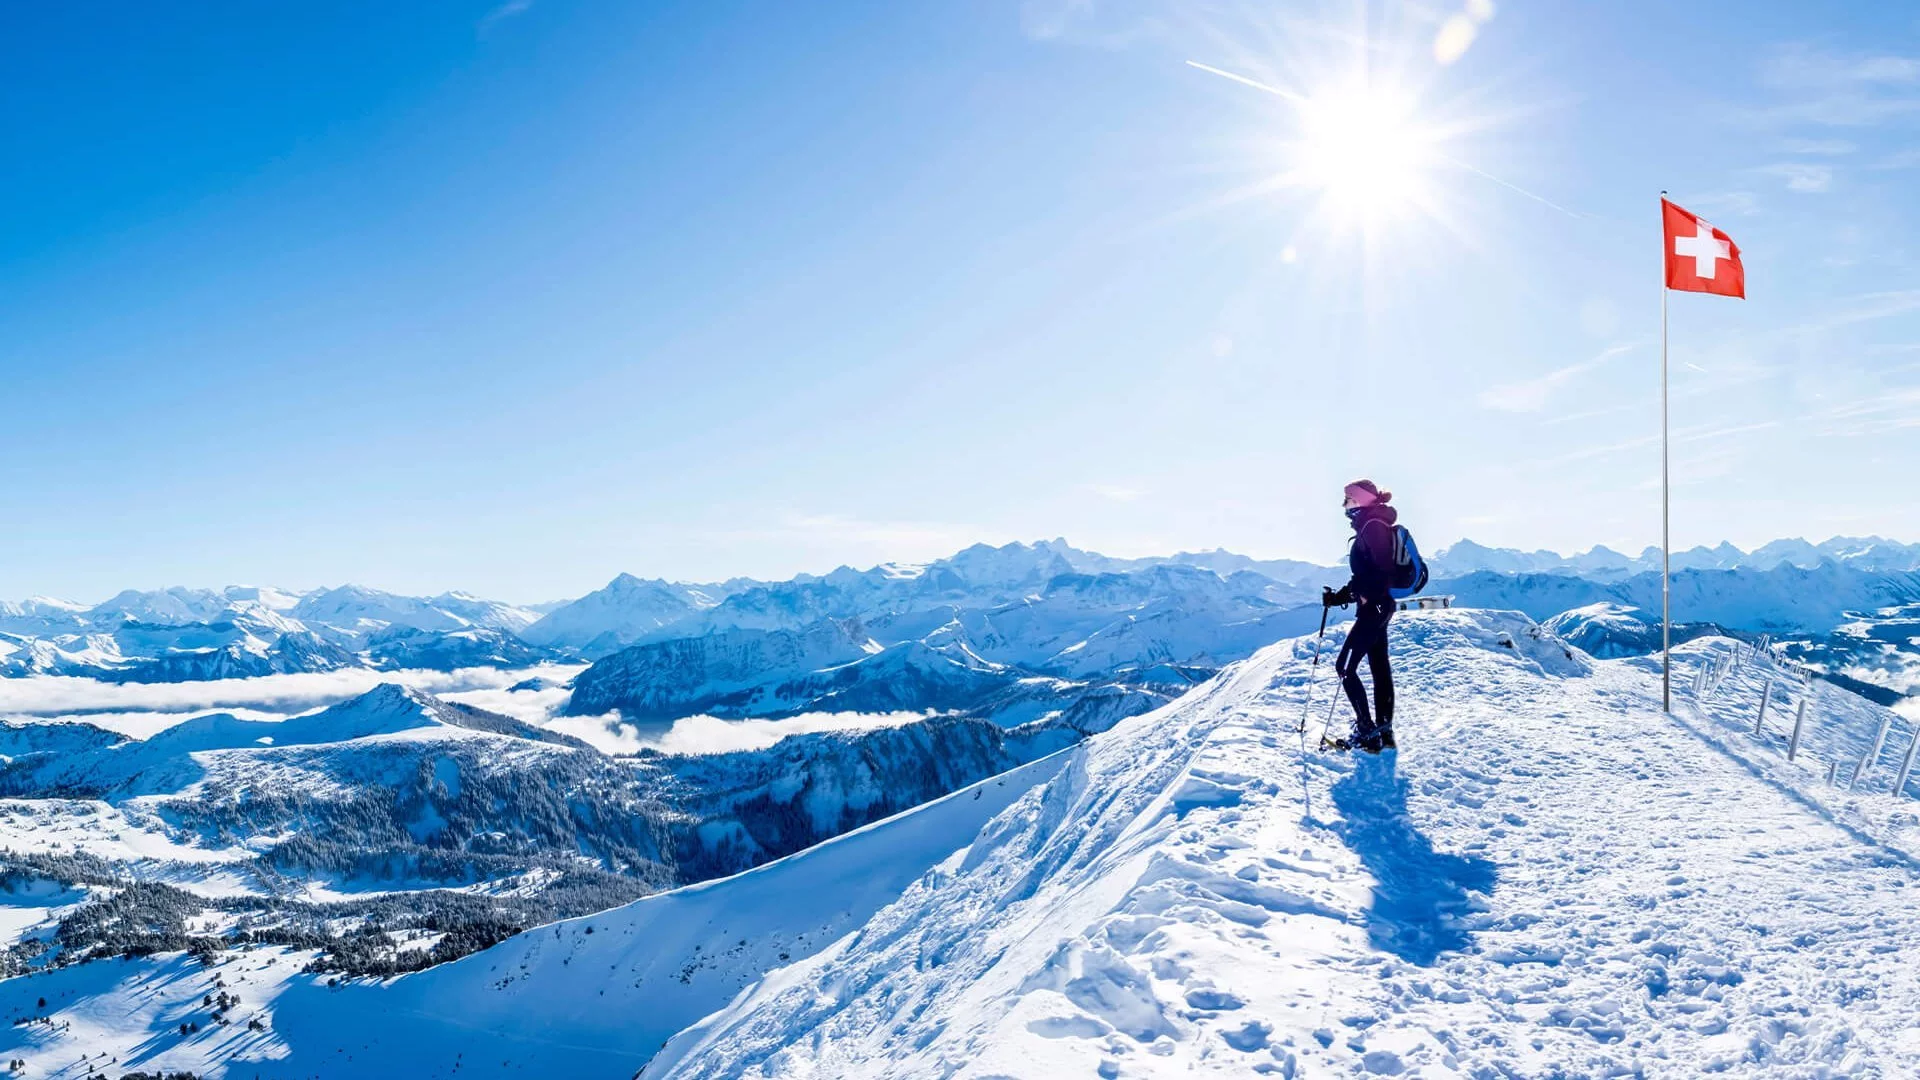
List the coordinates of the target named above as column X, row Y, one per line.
column 1873, row 755
column 1761, row 720
column 1906, row 767
column 1799, row 722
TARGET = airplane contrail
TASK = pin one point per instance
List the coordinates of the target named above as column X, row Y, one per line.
column 1297, row 99
column 1485, row 175
column 1300, row 99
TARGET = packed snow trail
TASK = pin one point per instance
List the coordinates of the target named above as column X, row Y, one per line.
column 1550, row 879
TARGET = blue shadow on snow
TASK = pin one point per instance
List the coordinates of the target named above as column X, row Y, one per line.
column 1419, row 893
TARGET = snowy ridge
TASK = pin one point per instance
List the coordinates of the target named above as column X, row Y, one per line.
column 586, row 997
column 679, row 955
column 1551, row 879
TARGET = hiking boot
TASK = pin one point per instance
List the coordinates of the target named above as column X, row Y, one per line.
column 1386, row 740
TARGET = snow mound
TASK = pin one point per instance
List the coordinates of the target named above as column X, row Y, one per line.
column 1551, row 878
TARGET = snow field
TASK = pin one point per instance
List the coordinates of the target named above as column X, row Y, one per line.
column 593, row 996
column 1551, row 879
column 119, row 1016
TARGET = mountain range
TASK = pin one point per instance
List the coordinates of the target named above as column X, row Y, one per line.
column 182, row 634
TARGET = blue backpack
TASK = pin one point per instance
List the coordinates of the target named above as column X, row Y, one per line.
column 1409, row 572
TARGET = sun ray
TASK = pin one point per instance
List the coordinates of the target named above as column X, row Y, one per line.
column 1376, row 155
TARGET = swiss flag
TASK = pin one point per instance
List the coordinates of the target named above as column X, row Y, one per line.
column 1700, row 258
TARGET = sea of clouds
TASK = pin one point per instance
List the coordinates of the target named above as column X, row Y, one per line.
column 139, row 710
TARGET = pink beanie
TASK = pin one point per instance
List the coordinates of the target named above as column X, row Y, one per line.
column 1366, row 493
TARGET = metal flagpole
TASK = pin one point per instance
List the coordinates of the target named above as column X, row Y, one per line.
column 1666, row 497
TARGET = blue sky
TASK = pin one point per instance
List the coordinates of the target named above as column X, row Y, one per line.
column 510, row 298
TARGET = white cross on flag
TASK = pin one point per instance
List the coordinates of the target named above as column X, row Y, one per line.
column 1700, row 258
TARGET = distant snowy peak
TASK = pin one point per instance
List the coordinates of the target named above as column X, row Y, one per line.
column 626, row 610
column 1864, row 553
column 355, row 609
column 1783, row 599
column 39, row 607
column 1009, row 566
column 1467, row 557
column 166, row 607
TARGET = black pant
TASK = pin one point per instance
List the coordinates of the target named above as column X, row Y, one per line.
column 1368, row 638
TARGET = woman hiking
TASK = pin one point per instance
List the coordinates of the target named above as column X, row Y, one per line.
column 1371, row 555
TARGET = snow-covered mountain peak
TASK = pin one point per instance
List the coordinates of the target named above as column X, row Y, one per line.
column 1011, row 564
column 165, row 607
column 627, row 609
column 358, row 610
column 40, row 605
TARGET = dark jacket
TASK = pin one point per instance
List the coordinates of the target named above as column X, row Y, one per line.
column 1371, row 554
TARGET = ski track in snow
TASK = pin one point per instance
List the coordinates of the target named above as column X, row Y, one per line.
column 1551, row 879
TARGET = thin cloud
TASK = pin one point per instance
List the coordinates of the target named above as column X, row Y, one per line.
column 1867, row 307
column 1831, row 89
column 1875, row 414
column 1115, row 492
column 1045, row 20
column 1088, row 23
column 1802, row 177
column 1532, row 395
column 914, row 534
column 1818, row 147
column 1904, row 159
column 1688, row 435
column 1801, row 66
column 714, row 735
column 505, row 11
column 1725, row 204
column 1714, row 434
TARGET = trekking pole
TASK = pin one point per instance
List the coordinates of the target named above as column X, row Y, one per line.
column 1332, row 704
column 1313, row 675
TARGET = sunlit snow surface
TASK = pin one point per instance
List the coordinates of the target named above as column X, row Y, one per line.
column 1550, row 879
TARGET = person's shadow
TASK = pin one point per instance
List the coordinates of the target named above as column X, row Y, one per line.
column 1420, row 894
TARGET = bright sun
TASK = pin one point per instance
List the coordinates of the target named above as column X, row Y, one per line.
column 1365, row 151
